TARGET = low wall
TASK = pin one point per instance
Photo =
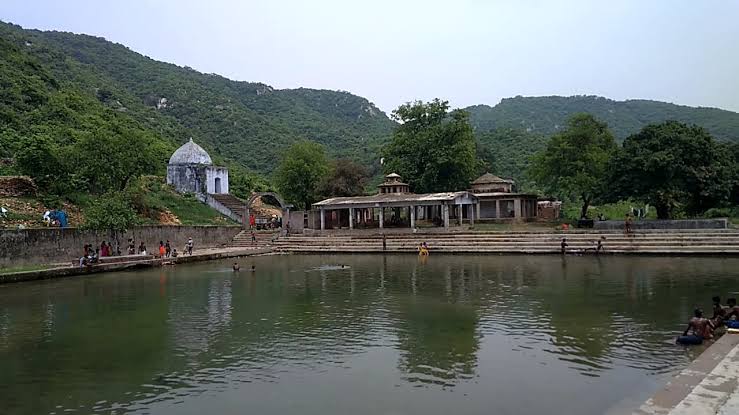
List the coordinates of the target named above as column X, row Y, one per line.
column 54, row 245
column 297, row 221
column 721, row 223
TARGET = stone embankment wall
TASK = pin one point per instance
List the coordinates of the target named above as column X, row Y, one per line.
column 54, row 245
column 720, row 223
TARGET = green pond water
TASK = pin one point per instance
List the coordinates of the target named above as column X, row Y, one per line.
column 384, row 335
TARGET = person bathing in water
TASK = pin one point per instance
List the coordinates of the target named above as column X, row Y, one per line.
column 699, row 326
column 236, row 267
column 719, row 312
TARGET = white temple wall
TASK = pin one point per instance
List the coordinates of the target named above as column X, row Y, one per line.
column 214, row 174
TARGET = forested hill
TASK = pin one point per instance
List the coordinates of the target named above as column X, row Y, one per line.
column 546, row 115
column 248, row 123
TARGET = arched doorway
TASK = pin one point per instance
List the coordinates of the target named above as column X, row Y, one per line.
column 218, row 185
column 274, row 199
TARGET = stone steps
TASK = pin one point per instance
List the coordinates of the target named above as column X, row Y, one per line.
column 703, row 242
column 706, row 250
column 233, row 203
column 243, row 239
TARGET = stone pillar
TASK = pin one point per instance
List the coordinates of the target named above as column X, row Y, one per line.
column 323, row 219
column 445, row 215
column 382, row 217
column 351, row 218
column 477, row 207
column 459, row 213
column 413, row 217
column 471, row 213
column 517, row 208
column 497, row 209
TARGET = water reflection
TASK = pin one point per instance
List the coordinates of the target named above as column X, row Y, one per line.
column 306, row 328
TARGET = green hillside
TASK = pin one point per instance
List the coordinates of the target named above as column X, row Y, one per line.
column 547, row 115
column 62, row 90
column 247, row 123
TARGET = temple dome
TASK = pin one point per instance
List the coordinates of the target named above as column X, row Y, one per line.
column 190, row 153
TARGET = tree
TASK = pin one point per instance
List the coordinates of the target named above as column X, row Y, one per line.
column 37, row 157
column 110, row 212
column 673, row 166
column 116, row 154
column 735, row 188
column 432, row 148
column 300, row 172
column 346, row 178
column 573, row 164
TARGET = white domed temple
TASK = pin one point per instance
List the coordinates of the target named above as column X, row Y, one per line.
column 191, row 170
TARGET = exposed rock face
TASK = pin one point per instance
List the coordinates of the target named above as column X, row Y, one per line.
column 15, row 186
column 264, row 89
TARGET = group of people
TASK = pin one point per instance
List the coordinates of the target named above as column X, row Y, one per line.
column 92, row 254
column 236, row 267
column 597, row 247
column 703, row 328
column 165, row 248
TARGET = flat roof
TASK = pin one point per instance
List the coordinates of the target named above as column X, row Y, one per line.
column 504, row 195
column 397, row 199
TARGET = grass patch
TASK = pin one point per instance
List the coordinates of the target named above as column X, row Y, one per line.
column 158, row 197
column 611, row 211
column 190, row 210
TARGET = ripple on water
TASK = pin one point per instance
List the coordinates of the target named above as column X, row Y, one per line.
column 449, row 323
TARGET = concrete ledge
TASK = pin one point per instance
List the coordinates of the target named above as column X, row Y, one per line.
column 719, row 223
column 205, row 255
column 704, row 387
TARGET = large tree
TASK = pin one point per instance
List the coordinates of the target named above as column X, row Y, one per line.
column 299, row 175
column 573, row 164
column 432, row 148
column 673, row 166
column 346, row 178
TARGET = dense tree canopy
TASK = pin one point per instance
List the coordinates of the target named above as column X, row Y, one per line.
column 508, row 152
column 245, row 123
column 673, row 166
column 573, row 165
column 432, row 149
column 346, row 178
column 548, row 115
column 300, row 173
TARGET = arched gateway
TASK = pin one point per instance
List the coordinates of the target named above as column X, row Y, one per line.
column 257, row 195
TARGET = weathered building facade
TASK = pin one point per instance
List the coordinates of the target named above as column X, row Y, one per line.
column 191, row 170
column 396, row 206
column 499, row 201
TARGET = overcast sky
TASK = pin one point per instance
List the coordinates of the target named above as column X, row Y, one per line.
column 466, row 51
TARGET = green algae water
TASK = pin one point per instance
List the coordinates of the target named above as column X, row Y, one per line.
column 380, row 335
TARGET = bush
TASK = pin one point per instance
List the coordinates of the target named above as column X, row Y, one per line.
column 112, row 212
column 721, row 213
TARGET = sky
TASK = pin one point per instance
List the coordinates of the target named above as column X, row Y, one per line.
column 465, row 51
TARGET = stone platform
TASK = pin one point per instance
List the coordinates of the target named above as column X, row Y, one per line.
column 708, row 386
column 131, row 262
